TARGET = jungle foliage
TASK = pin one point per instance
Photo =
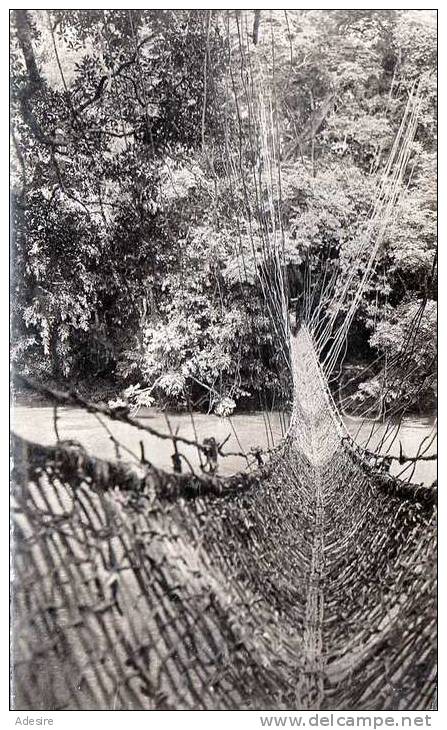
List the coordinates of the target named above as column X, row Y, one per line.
column 124, row 216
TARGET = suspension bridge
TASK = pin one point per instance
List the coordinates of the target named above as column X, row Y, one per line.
column 308, row 583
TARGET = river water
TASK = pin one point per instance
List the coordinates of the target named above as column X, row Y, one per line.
column 245, row 430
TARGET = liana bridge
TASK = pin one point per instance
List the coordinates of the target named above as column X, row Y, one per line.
column 307, row 584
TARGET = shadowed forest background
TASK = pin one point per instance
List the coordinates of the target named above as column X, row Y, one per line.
column 124, row 224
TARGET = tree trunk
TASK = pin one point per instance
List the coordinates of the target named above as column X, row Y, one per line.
column 256, row 22
column 24, row 32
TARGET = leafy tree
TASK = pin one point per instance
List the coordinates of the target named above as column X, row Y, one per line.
column 142, row 154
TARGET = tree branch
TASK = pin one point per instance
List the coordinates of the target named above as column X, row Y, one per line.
column 102, row 82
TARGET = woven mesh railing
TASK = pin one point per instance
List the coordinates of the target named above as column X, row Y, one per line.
column 308, row 584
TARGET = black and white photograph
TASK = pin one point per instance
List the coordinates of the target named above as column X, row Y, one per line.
column 223, row 352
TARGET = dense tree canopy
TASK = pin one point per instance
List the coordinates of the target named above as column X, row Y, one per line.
column 136, row 171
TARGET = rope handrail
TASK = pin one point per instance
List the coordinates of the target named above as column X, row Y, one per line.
column 120, row 414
